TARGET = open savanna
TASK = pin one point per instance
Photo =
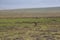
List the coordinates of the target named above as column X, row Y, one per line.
column 30, row 24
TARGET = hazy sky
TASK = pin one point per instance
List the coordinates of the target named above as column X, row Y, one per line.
column 11, row 4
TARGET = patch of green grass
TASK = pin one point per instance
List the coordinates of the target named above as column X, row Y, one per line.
column 17, row 29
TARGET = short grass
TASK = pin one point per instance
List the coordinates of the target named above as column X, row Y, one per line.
column 30, row 28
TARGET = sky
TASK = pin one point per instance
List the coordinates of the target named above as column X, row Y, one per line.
column 14, row 4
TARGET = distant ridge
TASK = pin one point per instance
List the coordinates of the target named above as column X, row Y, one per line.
column 31, row 12
column 31, row 8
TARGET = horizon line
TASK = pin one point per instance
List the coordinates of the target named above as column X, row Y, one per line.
column 28, row 8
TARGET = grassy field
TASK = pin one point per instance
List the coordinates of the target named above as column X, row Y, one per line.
column 30, row 24
column 30, row 28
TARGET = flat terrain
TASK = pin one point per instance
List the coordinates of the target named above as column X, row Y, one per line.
column 30, row 24
column 30, row 28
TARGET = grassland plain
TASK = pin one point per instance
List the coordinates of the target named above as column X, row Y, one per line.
column 30, row 24
column 30, row 28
